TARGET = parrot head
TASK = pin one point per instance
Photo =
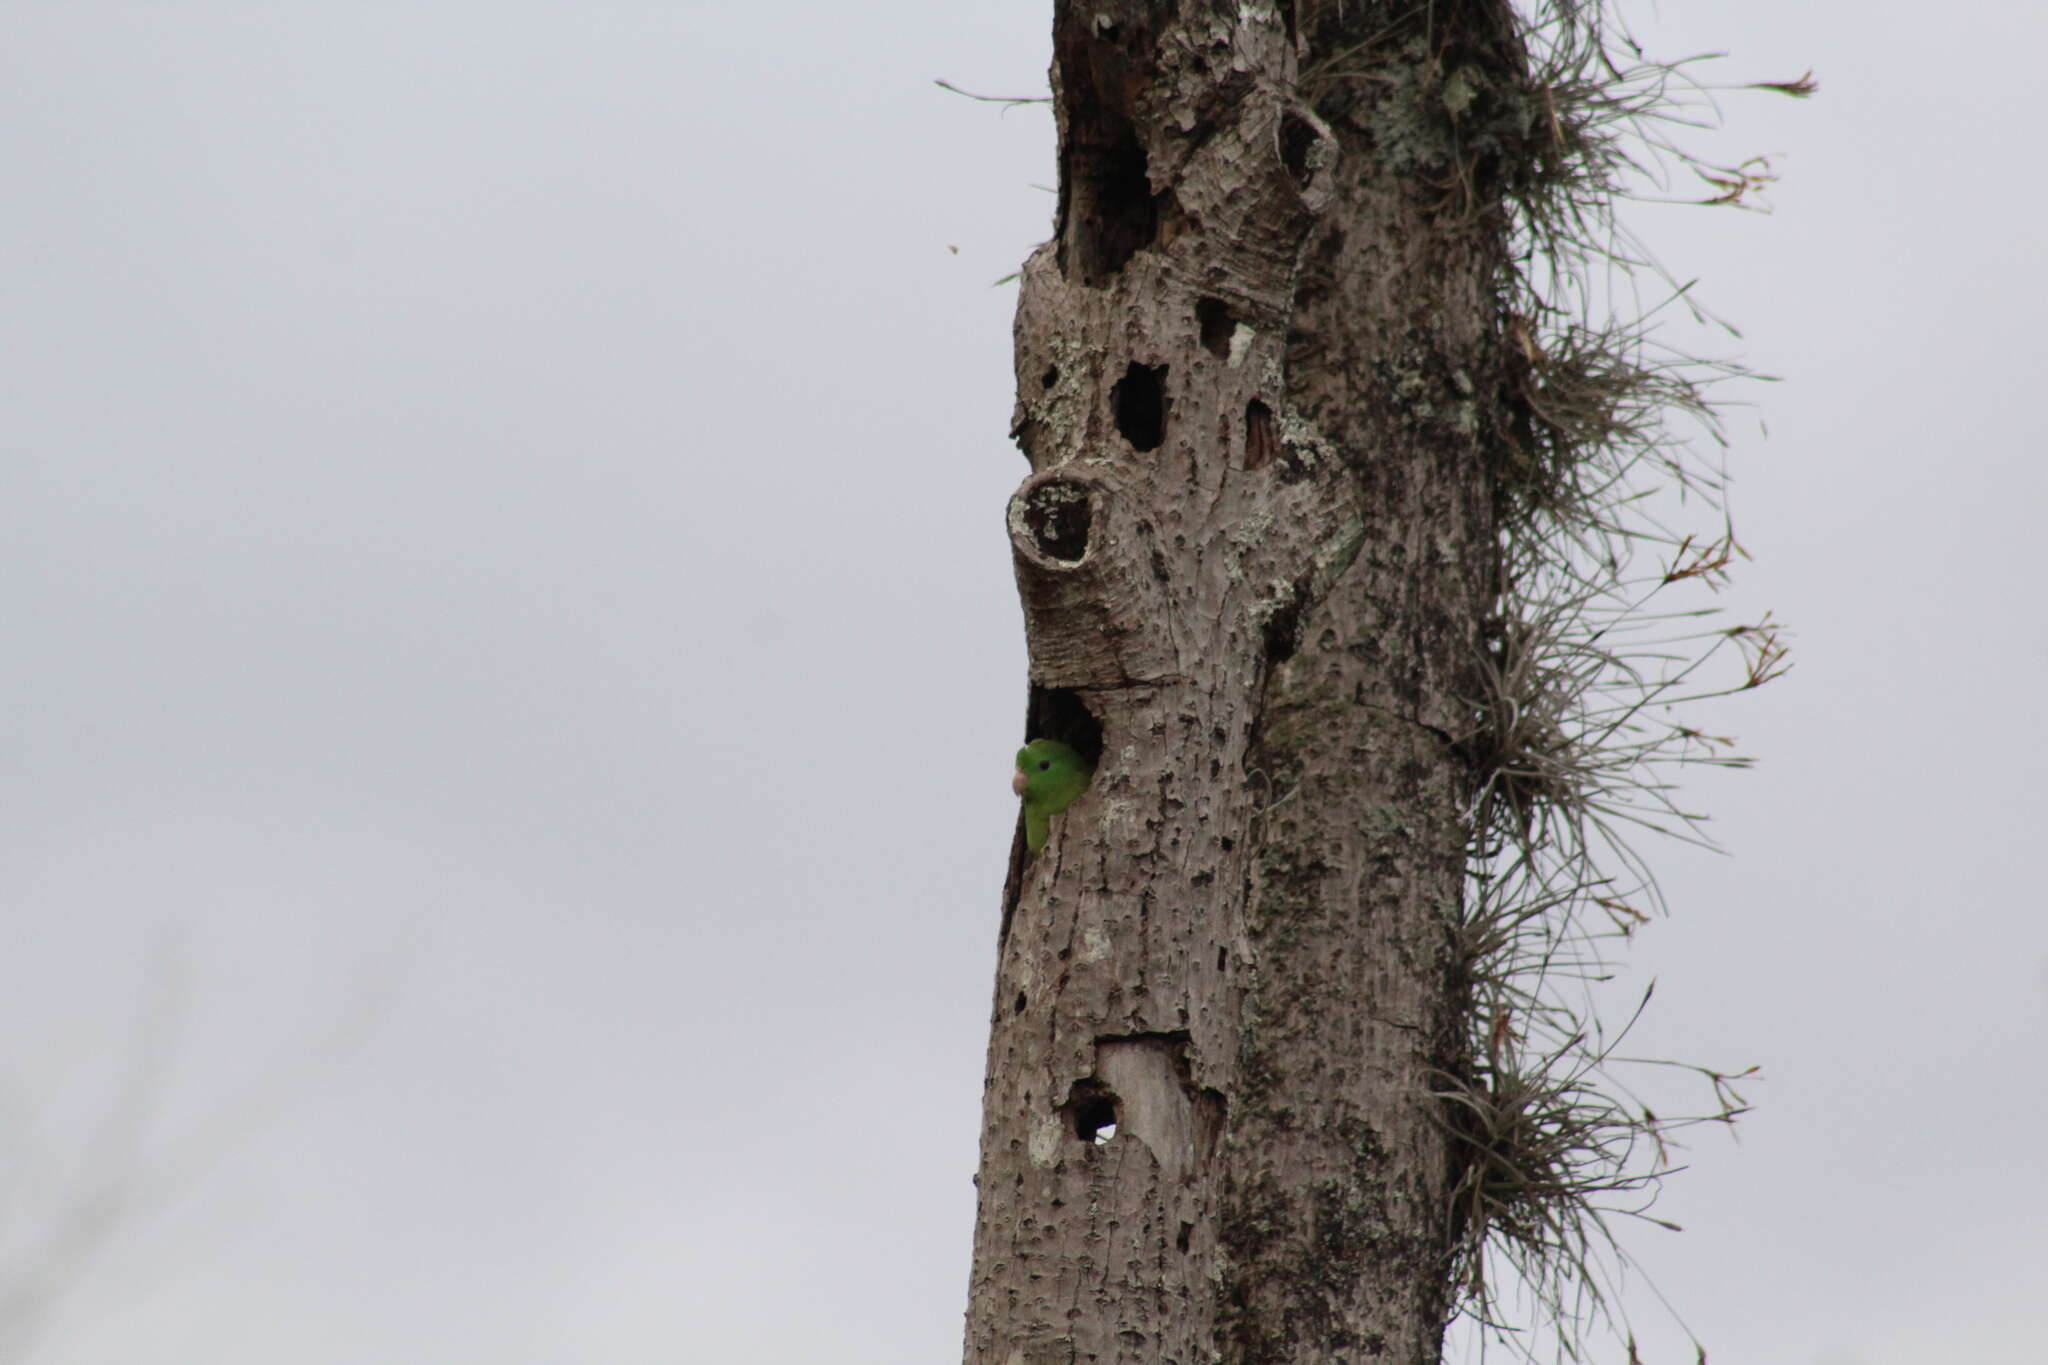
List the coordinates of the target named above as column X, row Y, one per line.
column 1049, row 776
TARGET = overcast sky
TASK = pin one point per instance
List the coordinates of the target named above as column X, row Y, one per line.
column 512, row 667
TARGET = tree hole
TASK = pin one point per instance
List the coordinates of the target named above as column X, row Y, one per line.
column 1059, row 713
column 1261, row 435
column 1298, row 139
column 1111, row 213
column 1091, row 1109
column 1058, row 516
column 1180, row 1241
column 1283, row 627
column 1095, row 1121
column 1020, row 1003
column 1213, row 316
column 1050, row 377
column 1107, row 212
column 1138, row 403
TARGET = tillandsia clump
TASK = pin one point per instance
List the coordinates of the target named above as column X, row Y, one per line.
column 1598, row 645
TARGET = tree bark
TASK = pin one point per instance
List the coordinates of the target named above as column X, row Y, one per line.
column 1260, row 374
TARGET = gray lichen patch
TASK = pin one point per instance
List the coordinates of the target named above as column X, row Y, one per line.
column 1059, row 407
column 1306, row 444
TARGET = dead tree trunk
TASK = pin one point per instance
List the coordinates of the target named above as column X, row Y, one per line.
column 1260, row 378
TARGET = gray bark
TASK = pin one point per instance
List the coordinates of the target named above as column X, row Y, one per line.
column 1259, row 376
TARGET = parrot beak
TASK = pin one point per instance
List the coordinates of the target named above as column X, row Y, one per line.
column 1017, row 781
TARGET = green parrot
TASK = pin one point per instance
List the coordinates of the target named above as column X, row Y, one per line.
column 1049, row 776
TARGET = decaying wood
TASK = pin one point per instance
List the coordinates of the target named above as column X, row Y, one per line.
column 1257, row 371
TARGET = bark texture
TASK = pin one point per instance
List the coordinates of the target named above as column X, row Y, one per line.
column 1258, row 371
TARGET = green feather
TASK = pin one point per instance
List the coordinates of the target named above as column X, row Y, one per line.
column 1051, row 776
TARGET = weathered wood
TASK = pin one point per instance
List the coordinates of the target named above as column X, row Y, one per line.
column 1256, row 370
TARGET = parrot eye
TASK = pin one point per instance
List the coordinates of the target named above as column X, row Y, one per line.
column 1044, row 764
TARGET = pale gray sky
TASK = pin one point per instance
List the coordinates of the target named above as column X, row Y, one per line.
column 503, row 506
